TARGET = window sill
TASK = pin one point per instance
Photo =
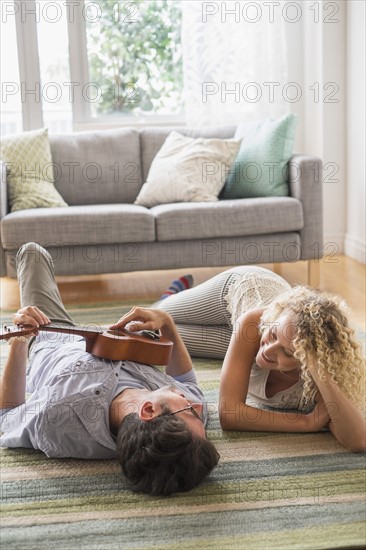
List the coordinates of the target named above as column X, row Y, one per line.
column 130, row 122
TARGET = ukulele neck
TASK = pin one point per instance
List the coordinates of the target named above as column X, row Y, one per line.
column 87, row 332
column 84, row 331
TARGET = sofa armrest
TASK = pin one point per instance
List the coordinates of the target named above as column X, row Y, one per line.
column 3, row 212
column 305, row 182
column 3, row 191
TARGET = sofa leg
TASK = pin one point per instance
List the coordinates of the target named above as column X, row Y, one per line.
column 314, row 273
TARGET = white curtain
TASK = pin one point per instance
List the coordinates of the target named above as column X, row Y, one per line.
column 235, row 62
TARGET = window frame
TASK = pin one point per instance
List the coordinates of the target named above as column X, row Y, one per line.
column 29, row 66
column 29, row 74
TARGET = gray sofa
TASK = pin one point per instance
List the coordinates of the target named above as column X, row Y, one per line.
column 99, row 174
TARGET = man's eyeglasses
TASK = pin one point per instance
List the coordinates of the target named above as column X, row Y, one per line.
column 189, row 408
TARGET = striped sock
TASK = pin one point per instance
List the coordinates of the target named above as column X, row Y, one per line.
column 183, row 283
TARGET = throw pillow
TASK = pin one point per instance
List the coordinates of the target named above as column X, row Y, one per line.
column 188, row 170
column 29, row 171
column 260, row 167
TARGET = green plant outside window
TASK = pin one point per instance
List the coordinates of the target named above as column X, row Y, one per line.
column 135, row 57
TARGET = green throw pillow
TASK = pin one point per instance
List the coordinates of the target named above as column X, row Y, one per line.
column 260, row 166
column 30, row 171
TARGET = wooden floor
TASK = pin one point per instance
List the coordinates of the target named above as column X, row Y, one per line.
column 340, row 275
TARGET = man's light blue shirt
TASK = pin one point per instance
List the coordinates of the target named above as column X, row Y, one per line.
column 67, row 412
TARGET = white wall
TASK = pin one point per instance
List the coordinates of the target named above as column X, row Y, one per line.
column 330, row 53
column 333, row 116
column 355, row 238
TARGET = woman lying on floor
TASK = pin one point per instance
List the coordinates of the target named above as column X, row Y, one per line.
column 291, row 363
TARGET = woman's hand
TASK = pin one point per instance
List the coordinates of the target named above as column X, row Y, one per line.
column 140, row 318
column 312, row 363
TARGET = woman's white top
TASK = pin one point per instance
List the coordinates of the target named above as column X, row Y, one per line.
column 255, row 288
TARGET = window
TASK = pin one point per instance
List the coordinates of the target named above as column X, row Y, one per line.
column 134, row 57
column 54, row 68
column 11, row 107
column 125, row 62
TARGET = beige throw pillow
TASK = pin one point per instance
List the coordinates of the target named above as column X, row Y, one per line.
column 188, row 170
column 29, row 166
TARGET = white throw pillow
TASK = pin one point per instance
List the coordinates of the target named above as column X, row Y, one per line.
column 188, row 170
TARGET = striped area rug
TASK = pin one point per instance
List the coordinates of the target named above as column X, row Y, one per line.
column 269, row 491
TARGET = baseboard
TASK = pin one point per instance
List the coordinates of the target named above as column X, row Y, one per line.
column 333, row 244
column 355, row 248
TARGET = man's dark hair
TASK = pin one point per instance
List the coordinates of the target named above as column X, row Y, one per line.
column 162, row 456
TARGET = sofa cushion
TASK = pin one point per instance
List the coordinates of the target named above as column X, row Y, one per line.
column 30, row 171
column 259, row 168
column 152, row 140
column 98, row 224
column 97, row 167
column 188, row 170
column 230, row 218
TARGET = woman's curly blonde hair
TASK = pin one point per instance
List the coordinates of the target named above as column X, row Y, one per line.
column 321, row 331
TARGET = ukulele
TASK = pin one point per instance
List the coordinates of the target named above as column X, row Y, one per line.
column 145, row 347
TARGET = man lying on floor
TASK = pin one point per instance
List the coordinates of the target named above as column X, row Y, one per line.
column 83, row 406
